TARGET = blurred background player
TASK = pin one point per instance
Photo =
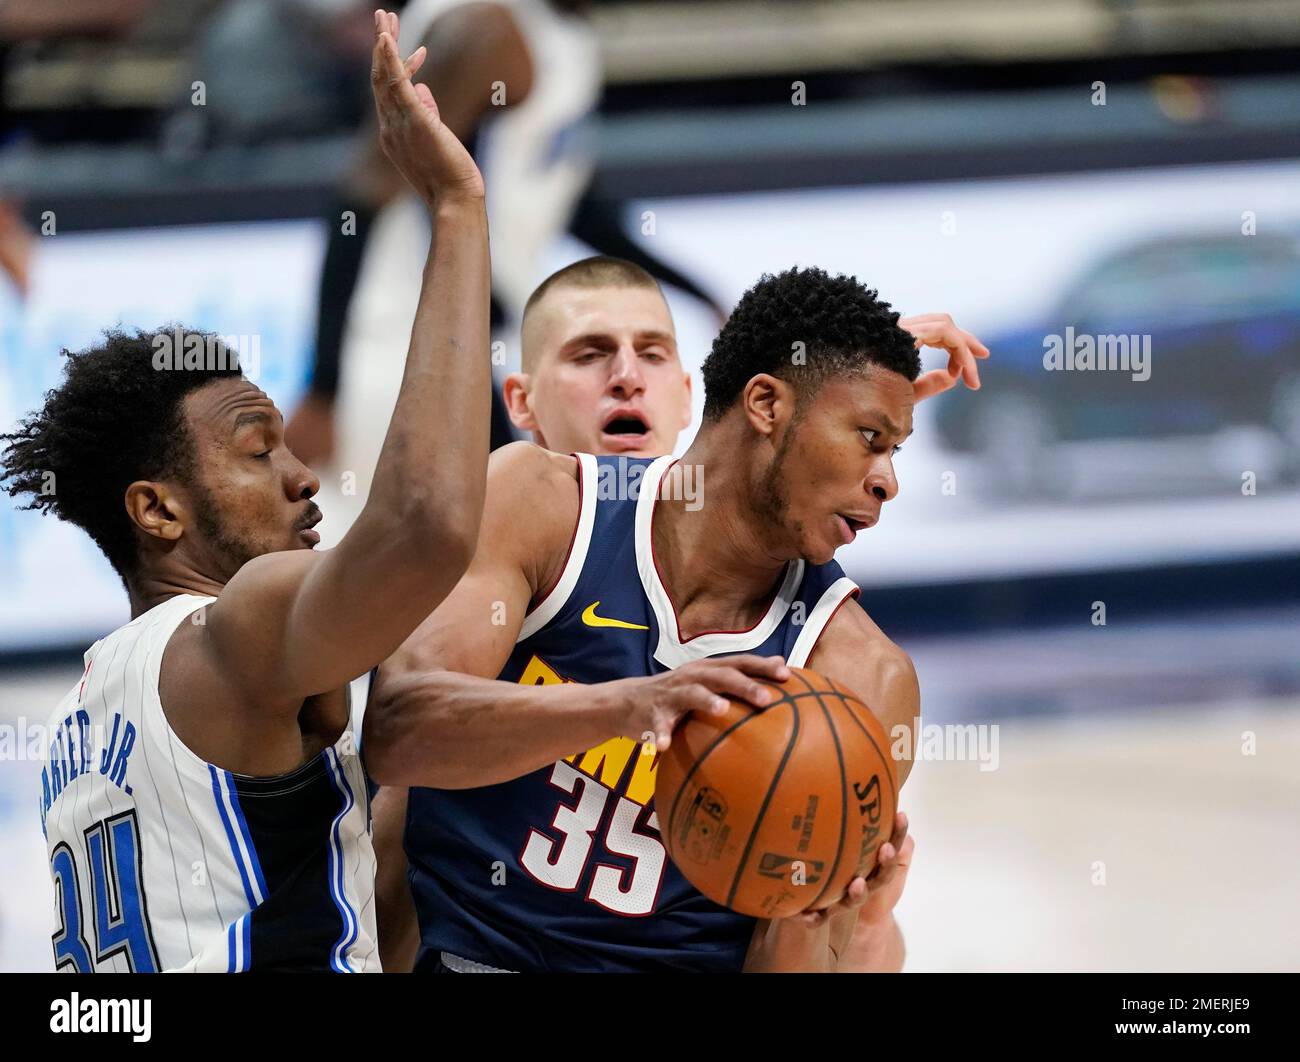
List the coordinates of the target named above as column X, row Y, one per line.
column 601, row 373
column 519, row 79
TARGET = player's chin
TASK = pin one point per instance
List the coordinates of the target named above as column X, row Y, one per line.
column 820, row 552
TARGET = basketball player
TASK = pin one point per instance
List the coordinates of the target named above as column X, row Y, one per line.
column 204, row 804
column 602, row 375
column 525, row 856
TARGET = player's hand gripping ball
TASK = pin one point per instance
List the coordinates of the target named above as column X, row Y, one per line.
column 773, row 812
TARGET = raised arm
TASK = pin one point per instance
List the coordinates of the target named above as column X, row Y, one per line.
column 292, row 624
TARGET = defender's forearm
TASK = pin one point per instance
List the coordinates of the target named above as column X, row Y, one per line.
column 430, row 476
column 452, row 731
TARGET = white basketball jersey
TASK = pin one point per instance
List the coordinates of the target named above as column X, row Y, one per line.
column 162, row 861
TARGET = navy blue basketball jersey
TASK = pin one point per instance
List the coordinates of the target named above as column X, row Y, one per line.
column 563, row 869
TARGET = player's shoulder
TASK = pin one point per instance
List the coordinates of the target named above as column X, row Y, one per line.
column 526, row 469
column 526, row 455
column 533, row 500
column 853, row 640
column 268, row 578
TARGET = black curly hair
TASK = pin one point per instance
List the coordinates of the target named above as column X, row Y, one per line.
column 842, row 324
column 114, row 419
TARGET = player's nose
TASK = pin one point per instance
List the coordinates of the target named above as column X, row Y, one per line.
column 300, row 482
column 881, row 481
column 625, row 372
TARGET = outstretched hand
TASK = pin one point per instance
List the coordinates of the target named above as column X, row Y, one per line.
column 939, row 330
column 411, row 131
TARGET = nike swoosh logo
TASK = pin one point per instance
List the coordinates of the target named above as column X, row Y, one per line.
column 590, row 618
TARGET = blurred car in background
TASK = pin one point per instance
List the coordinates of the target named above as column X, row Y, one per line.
column 1220, row 316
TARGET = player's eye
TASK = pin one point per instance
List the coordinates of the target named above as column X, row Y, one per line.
column 263, row 455
column 871, row 435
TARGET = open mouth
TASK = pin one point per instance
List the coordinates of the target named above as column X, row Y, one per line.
column 625, row 430
column 626, row 424
column 850, row 526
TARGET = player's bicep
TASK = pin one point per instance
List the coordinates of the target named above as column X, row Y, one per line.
column 474, row 629
column 292, row 624
column 530, row 506
column 472, row 632
column 856, row 654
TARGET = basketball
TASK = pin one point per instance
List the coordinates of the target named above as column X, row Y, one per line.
column 773, row 812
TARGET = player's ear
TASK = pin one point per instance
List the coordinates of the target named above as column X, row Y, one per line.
column 515, row 393
column 686, row 401
column 156, row 509
column 768, row 403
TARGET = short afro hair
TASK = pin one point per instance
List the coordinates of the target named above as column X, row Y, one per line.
column 114, row 419
column 843, row 326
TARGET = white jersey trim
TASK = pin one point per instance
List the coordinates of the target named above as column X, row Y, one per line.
column 339, row 955
column 827, row 605
column 549, row 607
column 671, row 651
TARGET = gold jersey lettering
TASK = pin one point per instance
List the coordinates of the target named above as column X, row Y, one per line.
column 607, row 762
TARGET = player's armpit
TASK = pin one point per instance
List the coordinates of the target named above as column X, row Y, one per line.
column 856, row 653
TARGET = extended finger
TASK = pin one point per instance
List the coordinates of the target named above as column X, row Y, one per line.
column 773, row 667
column 398, row 83
column 884, row 869
column 854, row 896
column 734, row 682
column 932, row 383
column 978, row 348
column 698, row 697
column 416, row 60
column 900, row 830
column 961, row 356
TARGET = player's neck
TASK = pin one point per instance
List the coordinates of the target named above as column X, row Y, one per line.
column 711, row 560
column 151, row 588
